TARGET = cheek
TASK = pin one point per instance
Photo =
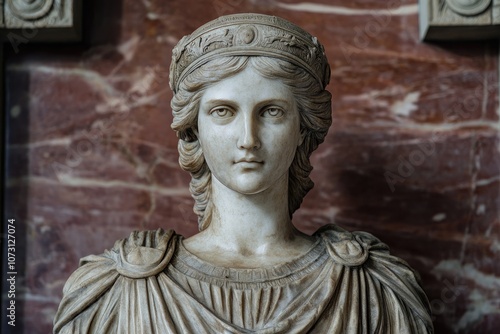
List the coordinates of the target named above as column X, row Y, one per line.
column 292, row 140
column 213, row 149
column 208, row 152
column 286, row 147
column 289, row 154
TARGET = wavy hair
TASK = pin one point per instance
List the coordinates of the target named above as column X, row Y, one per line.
column 314, row 106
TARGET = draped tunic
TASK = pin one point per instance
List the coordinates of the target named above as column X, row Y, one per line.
column 150, row 283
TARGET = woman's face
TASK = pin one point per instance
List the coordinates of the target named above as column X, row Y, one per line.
column 249, row 130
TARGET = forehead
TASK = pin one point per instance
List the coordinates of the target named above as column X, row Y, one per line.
column 248, row 86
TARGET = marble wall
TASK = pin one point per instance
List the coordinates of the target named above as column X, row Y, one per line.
column 412, row 157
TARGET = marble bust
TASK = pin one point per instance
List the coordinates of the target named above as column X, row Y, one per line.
column 249, row 107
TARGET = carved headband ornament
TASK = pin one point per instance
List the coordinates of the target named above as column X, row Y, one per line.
column 249, row 35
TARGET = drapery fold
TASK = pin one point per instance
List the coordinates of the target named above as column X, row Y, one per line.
column 149, row 283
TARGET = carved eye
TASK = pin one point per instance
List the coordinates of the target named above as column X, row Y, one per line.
column 221, row 112
column 274, row 112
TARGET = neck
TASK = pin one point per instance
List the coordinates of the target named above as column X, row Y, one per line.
column 251, row 224
column 249, row 231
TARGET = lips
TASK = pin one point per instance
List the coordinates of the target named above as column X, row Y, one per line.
column 248, row 160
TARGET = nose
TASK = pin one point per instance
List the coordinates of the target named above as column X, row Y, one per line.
column 248, row 133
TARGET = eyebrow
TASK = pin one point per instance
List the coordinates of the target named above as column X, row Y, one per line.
column 260, row 104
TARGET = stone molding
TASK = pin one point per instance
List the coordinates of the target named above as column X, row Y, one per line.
column 53, row 20
column 459, row 19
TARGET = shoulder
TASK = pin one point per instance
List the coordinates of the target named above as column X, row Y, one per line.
column 362, row 251
column 349, row 248
column 141, row 255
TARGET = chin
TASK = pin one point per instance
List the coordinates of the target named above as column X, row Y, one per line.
column 250, row 190
column 249, row 187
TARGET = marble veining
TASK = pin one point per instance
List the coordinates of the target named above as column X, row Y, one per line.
column 412, row 157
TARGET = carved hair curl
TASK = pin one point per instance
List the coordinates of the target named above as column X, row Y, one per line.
column 314, row 106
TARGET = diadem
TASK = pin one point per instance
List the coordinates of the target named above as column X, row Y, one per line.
column 249, row 35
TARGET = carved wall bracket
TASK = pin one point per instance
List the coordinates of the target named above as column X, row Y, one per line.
column 53, row 20
column 459, row 19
